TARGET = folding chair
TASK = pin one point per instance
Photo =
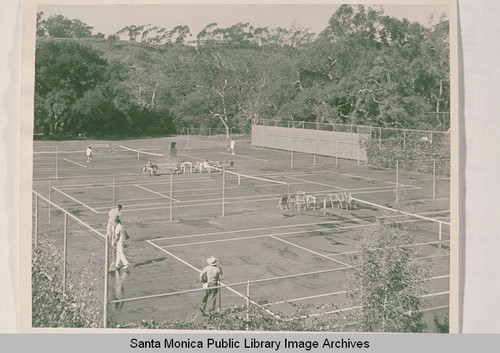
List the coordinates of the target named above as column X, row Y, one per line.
column 311, row 202
column 292, row 199
column 283, row 202
column 348, row 200
column 300, row 203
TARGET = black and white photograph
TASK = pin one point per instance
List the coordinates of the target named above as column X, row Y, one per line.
column 242, row 167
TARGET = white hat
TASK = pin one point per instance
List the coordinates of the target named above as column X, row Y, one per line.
column 212, row 261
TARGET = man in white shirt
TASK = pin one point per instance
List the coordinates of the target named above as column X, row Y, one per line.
column 89, row 153
column 120, row 236
column 232, row 144
column 113, row 215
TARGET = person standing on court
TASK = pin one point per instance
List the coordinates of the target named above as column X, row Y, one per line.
column 232, row 144
column 120, row 236
column 211, row 276
column 113, row 215
column 89, row 153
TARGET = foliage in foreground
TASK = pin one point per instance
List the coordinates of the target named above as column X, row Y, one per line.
column 53, row 307
column 235, row 318
column 388, row 281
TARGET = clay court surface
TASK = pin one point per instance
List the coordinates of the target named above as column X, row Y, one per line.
column 296, row 261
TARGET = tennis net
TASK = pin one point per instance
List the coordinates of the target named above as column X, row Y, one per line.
column 141, row 155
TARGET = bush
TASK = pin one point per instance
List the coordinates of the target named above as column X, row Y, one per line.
column 51, row 306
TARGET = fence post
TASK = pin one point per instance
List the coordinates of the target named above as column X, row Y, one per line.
column 187, row 138
column 397, row 180
column 106, row 266
column 65, row 249
column 440, row 233
column 50, row 194
column 171, row 194
column 223, row 189
column 315, row 152
column 57, row 161
column 336, row 155
column 114, row 190
column 36, row 221
column 404, row 140
column 434, row 179
column 359, row 146
column 379, row 138
column 248, row 302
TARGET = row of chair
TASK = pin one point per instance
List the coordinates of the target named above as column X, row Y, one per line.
column 301, row 201
column 186, row 167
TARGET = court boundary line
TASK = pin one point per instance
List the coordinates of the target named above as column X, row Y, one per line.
column 260, row 228
column 311, row 251
column 69, row 160
column 243, row 156
column 72, row 198
column 157, row 193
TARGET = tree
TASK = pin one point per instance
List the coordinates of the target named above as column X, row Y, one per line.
column 387, row 280
column 64, row 72
column 58, row 26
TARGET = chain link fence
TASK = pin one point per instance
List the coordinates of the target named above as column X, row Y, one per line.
column 81, row 254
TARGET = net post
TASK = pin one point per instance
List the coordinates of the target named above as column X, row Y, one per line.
column 434, row 179
column 65, row 249
column 171, row 195
column 248, row 302
column 106, row 266
column 239, row 180
column 50, row 195
column 223, row 189
column 57, row 161
column 36, row 221
column 138, row 155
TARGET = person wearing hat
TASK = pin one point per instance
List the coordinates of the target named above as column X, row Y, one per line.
column 211, row 276
column 113, row 216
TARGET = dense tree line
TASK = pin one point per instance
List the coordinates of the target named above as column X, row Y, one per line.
column 363, row 68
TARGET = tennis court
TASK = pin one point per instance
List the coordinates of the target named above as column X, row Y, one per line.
column 292, row 261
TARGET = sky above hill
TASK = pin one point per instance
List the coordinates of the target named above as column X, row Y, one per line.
column 109, row 19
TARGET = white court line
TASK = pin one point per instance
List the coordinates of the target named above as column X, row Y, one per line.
column 313, row 182
column 366, row 178
column 69, row 160
column 72, row 198
column 257, row 229
column 391, row 247
column 400, row 211
column 311, row 251
column 214, row 241
column 157, row 193
column 222, row 284
column 261, row 236
column 239, row 155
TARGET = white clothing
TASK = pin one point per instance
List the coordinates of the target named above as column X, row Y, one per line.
column 120, row 239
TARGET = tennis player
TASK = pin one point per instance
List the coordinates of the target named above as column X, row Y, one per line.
column 210, row 276
column 89, row 153
column 232, row 144
column 120, row 236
